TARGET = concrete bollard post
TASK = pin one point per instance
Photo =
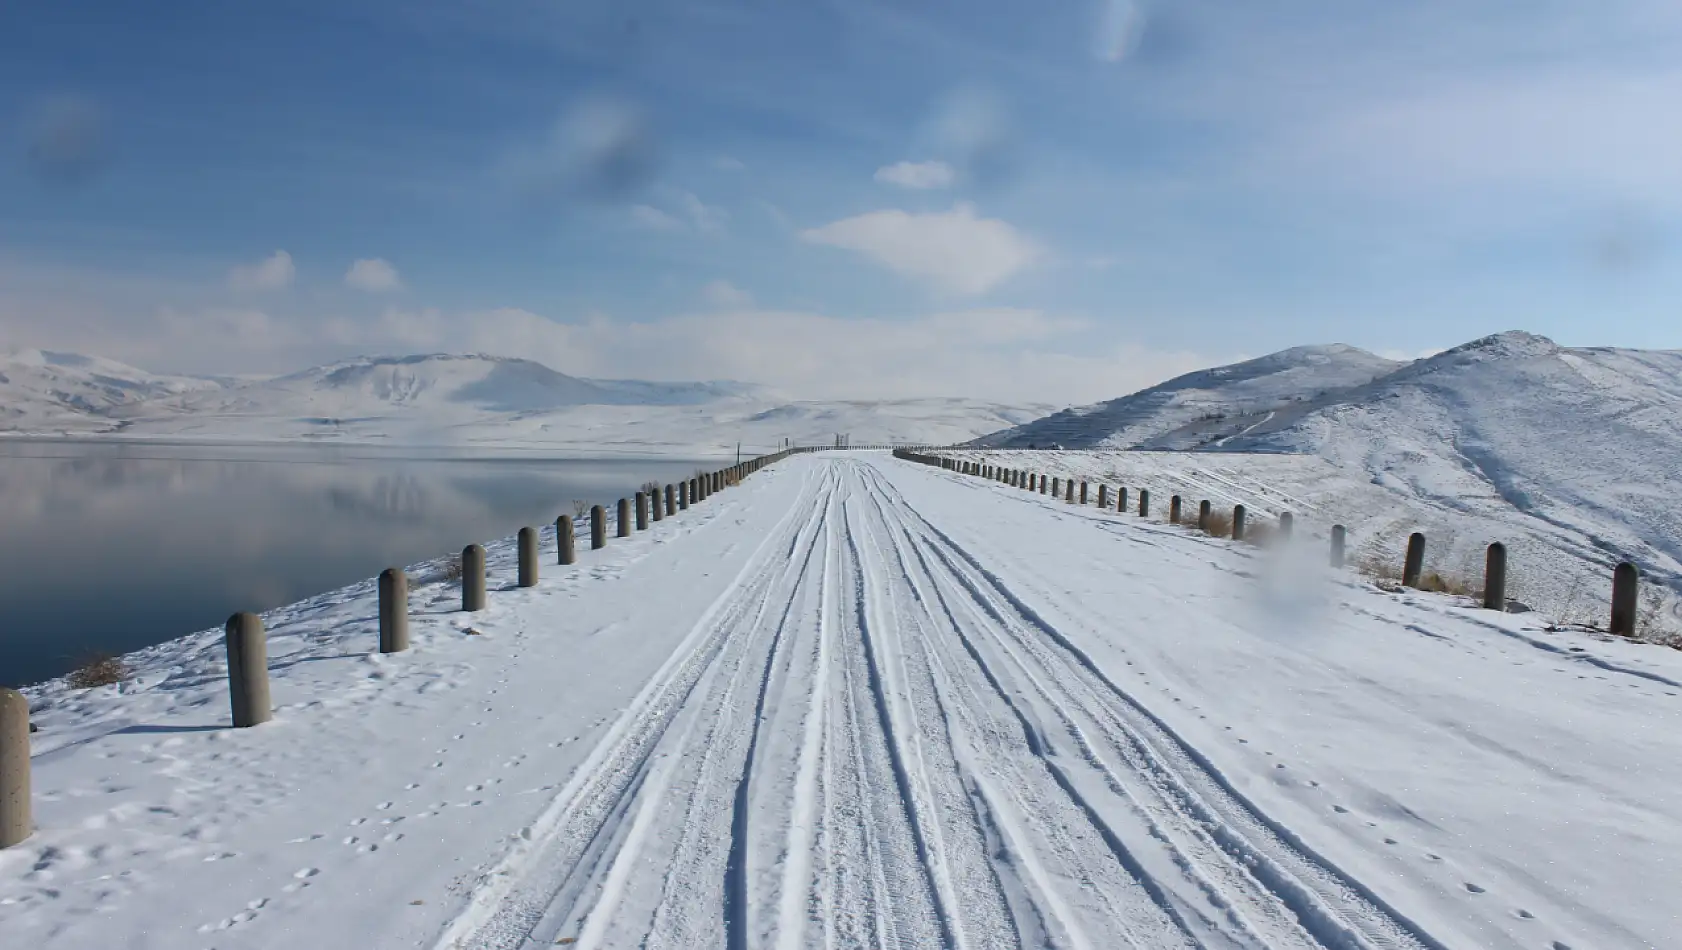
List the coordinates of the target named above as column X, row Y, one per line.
column 566, row 545
column 1626, row 581
column 623, row 521
column 1144, row 503
column 1103, row 496
column 1495, row 578
column 683, row 496
column 1083, row 493
column 1069, row 491
column 472, row 578
column 248, row 670
column 657, row 509
column 526, row 545
column 394, row 610
column 1414, row 567
column 1056, row 486
column 1045, row 485
column 1203, row 515
column 642, row 511
column 1121, row 499
column 1174, row 509
column 671, row 500
column 1339, row 536
column 598, row 528
column 1237, row 522
column 16, row 824
column 1286, row 522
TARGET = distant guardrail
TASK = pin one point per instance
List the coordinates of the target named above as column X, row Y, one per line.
column 1626, row 578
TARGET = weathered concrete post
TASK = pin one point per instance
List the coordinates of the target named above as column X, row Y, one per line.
column 1144, row 503
column 623, row 522
column 598, row 528
column 248, row 670
column 1414, row 567
column 1083, row 492
column 642, row 511
column 683, row 496
column 658, row 508
column 1203, row 515
column 1495, row 578
column 1045, row 485
column 1056, row 486
column 566, row 545
column 1237, row 522
column 1121, row 499
column 1174, row 509
column 394, row 610
column 1625, row 583
column 671, row 500
column 1286, row 522
column 1103, row 496
column 525, row 543
column 1069, row 491
column 1339, row 535
column 15, row 821
column 472, row 578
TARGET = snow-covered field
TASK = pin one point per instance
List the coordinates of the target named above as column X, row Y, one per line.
column 860, row 702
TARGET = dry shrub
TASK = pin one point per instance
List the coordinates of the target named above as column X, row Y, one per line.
column 1436, row 582
column 1260, row 533
column 1384, row 573
column 452, row 569
column 1219, row 524
column 652, row 488
column 580, row 508
column 99, row 669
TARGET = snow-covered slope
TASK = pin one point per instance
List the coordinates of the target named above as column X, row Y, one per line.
column 1197, row 407
column 45, row 389
column 477, row 401
column 872, row 704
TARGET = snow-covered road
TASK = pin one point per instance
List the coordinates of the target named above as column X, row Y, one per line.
column 862, row 703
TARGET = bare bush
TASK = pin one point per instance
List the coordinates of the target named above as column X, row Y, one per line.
column 1383, row 572
column 580, row 508
column 452, row 570
column 652, row 488
column 1437, row 582
column 1219, row 524
column 98, row 669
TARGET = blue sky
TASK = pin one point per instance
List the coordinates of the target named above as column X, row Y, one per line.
column 1056, row 201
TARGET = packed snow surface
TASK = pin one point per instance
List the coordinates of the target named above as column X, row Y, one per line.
column 861, row 702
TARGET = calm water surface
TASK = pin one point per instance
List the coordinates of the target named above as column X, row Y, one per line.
column 113, row 547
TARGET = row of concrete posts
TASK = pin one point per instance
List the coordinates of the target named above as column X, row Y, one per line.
column 1625, row 577
column 247, row 643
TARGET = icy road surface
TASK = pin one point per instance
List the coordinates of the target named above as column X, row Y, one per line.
column 862, row 703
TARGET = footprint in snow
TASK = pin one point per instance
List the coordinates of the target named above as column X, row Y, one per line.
column 1475, row 889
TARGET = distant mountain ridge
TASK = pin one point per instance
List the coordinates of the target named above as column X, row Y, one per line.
column 1194, row 409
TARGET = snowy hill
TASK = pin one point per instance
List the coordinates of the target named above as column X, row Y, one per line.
column 1568, row 456
column 45, row 389
column 1189, row 408
column 477, row 401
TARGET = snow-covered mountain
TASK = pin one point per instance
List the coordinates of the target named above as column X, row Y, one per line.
column 1189, row 409
column 41, row 388
column 485, row 402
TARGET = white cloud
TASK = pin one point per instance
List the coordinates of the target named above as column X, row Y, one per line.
column 725, row 295
column 917, row 174
column 689, row 213
column 274, row 272
column 374, row 275
column 955, row 250
column 727, row 163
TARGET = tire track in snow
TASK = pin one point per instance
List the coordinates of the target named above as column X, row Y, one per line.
column 1336, row 909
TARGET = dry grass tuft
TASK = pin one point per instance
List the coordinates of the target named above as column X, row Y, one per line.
column 99, row 669
column 580, row 508
column 1219, row 524
column 1385, row 574
column 452, row 569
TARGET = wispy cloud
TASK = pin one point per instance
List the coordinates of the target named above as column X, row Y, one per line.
column 917, row 174
column 375, row 275
column 955, row 250
column 274, row 272
column 725, row 295
column 684, row 212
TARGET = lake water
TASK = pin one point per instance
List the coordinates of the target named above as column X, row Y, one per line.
column 113, row 547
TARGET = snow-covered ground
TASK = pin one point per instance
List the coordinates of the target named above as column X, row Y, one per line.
column 860, row 702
